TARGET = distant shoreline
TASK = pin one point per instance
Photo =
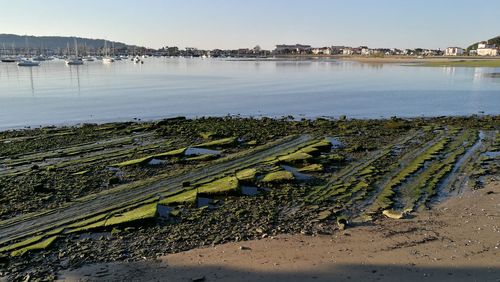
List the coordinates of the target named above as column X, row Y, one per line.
column 434, row 61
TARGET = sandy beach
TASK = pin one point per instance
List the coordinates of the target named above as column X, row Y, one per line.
column 457, row 240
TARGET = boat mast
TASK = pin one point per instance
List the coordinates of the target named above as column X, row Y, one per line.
column 76, row 49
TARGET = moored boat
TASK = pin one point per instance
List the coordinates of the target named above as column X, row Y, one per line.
column 27, row 63
column 74, row 61
column 9, row 60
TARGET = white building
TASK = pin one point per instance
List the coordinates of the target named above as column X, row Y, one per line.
column 453, row 51
column 366, row 51
column 484, row 49
column 322, row 51
column 347, row 51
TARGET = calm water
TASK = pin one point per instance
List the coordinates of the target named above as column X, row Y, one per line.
column 164, row 87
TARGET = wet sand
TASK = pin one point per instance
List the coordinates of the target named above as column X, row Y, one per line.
column 458, row 240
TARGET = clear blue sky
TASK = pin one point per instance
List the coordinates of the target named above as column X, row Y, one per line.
column 236, row 23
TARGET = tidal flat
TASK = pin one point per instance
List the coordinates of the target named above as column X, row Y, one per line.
column 145, row 189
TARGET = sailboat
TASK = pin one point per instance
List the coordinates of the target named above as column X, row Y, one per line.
column 27, row 62
column 75, row 61
column 106, row 59
column 87, row 58
column 40, row 57
column 10, row 59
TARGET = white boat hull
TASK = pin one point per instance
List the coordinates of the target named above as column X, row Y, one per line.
column 26, row 63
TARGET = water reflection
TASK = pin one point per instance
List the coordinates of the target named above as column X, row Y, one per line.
column 31, row 81
column 77, row 73
column 164, row 87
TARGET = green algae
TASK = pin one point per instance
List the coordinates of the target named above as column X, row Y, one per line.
column 185, row 197
column 324, row 215
column 38, row 246
column 89, row 227
column 26, row 242
column 87, row 221
column 172, row 153
column 336, row 158
column 384, row 200
column 252, row 143
column 278, row 176
column 246, row 175
column 312, row 168
column 146, row 159
column 146, row 212
column 202, row 158
column 323, row 145
column 218, row 143
column 139, row 161
column 296, row 157
column 229, row 184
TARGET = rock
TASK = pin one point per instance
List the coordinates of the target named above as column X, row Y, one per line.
column 393, row 214
column 244, row 248
column 198, row 279
column 114, row 180
column 342, row 223
column 324, row 215
column 4, row 259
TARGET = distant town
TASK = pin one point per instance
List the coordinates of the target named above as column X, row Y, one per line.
column 93, row 47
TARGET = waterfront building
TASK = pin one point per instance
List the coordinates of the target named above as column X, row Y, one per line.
column 485, row 49
column 453, row 51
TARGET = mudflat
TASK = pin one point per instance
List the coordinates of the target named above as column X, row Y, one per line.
column 457, row 240
column 429, row 61
column 283, row 198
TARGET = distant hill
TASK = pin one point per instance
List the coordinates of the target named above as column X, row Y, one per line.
column 53, row 42
column 495, row 40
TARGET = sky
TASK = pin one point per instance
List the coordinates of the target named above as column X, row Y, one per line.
column 229, row 24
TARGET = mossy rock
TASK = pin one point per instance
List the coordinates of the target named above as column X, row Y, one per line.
column 139, row 161
column 86, row 222
column 252, row 143
column 218, row 143
column 297, row 157
column 38, row 246
column 336, row 158
column 202, row 158
column 320, row 146
column 147, row 159
column 310, row 150
column 146, row 212
column 207, row 135
column 324, row 215
column 246, row 175
column 367, row 171
column 186, row 197
column 278, row 176
column 169, row 154
column 226, row 185
column 393, row 214
column 21, row 244
column 312, row 168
